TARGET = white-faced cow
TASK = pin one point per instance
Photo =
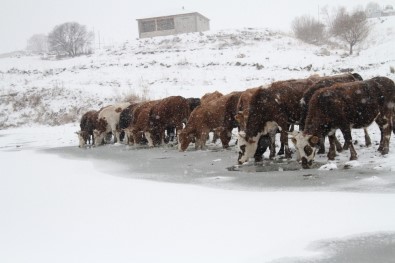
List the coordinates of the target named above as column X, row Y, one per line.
column 108, row 121
column 346, row 106
column 270, row 109
column 265, row 141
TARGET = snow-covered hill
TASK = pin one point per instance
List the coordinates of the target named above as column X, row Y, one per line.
column 41, row 90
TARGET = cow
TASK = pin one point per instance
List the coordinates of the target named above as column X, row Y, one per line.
column 136, row 131
column 108, row 121
column 171, row 112
column 241, row 117
column 216, row 115
column 346, row 106
column 324, row 82
column 210, row 97
column 125, row 119
column 87, row 125
column 271, row 109
column 171, row 130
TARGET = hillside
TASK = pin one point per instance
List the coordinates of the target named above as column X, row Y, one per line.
column 36, row 90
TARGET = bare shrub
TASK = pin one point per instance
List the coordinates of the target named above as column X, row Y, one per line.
column 133, row 97
column 308, row 29
column 70, row 38
column 351, row 28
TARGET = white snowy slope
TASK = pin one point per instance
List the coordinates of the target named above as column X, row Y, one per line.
column 115, row 203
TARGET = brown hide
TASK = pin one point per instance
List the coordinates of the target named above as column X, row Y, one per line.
column 216, row 115
column 101, row 124
column 140, row 120
column 355, row 103
column 210, row 97
column 352, row 105
column 243, row 107
column 279, row 103
column 321, row 83
column 169, row 112
column 87, row 124
column 126, row 116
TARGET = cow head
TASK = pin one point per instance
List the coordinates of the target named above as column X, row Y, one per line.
column 306, row 147
column 247, row 146
column 82, row 138
column 99, row 137
column 184, row 139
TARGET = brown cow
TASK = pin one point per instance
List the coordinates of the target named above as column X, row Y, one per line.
column 139, row 125
column 272, row 108
column 87, row 125
column 324, row 82
column 345, row 106
column 167, row 113
column 125, row 120
column 216, row 115
column 210, row 97
column 171, row 130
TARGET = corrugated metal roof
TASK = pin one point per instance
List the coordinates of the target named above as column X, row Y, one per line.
column 174, row 12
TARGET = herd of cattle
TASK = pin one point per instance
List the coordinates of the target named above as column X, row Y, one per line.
column 319, row 105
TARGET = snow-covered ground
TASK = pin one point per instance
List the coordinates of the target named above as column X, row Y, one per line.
column 116, row 203
column 60, row 203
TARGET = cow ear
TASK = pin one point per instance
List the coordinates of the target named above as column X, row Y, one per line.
column 314, row 140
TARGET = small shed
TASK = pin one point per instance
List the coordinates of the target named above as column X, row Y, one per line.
column 178, row 23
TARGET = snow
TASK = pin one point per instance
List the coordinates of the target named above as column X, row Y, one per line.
column 118, row 203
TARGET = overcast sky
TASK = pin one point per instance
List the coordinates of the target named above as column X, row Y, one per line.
column 115, row 20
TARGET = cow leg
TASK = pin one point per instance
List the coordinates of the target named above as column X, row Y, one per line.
column 386, row 128
column 284, row 140
column 332, row 147
column 225, row 138
column 368, row 141
column 348, row 140
column 201, row 140
column 263, row 143
column 281, row 151
column 272, row 146
column 117, row 135
column 150, row 140
column 322, row 145
column 339, row 147
column 284, row 146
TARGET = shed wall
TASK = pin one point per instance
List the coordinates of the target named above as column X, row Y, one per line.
column 182, row 24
